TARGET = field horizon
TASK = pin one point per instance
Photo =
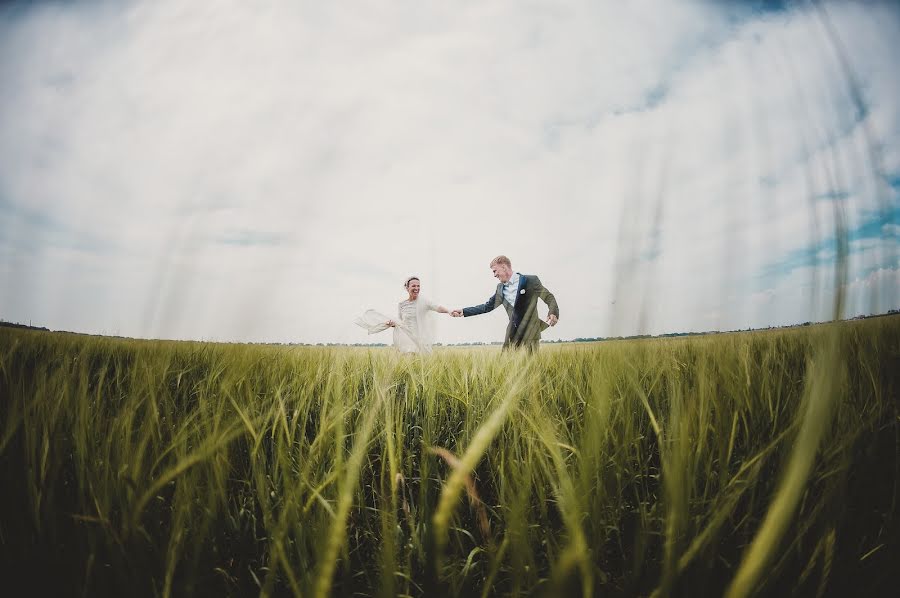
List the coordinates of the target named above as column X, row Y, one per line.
column 671, row 334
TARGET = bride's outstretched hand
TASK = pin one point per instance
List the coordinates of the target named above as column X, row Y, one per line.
column 456, row 313
column 391, row 323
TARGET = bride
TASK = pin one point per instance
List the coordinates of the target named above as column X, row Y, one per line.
column 413, row 328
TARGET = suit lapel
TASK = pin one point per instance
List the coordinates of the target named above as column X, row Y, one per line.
column 522, row 283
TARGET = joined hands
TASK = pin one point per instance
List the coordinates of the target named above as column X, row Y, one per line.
column 457, row 313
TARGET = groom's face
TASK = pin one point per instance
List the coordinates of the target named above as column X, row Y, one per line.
column 502, row 272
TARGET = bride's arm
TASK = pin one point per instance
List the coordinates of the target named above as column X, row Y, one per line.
column 435, row 307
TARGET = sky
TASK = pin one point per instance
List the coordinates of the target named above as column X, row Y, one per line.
column 224, row 170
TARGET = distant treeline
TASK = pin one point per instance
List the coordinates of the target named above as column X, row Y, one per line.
column 15, row 325
column 580, row 339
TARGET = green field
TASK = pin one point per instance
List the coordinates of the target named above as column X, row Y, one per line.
column 761, row 463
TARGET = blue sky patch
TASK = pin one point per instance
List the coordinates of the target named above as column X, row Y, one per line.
column 247, row 238
column 825, row 252
column 16, row 216
column 894, row 181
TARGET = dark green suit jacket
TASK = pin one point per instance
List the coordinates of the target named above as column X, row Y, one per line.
column 524, row 324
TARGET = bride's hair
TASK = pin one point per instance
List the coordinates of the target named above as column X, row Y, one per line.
column 409, row 280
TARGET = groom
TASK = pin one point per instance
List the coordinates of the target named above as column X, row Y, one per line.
column 518, row 293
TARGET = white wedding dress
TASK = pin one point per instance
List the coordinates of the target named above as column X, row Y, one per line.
column 414, row 332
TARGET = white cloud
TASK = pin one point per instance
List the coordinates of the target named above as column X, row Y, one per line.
column 218, row 170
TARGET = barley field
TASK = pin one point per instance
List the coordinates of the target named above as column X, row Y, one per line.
column 758, row 463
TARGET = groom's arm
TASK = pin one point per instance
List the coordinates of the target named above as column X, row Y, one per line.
column 485, row 307
column 547, row 297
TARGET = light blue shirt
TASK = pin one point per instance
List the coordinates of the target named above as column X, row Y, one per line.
column 511, row 288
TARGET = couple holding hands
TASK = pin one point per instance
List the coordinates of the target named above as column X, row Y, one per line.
column 518, row 293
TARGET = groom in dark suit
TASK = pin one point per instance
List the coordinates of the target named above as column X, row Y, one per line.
column 518, row 293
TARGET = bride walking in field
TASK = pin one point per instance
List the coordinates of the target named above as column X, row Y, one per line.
column 413, row 327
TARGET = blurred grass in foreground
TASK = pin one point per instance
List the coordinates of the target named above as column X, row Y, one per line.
column 763, row 462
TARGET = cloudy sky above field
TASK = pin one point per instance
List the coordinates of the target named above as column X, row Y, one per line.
column 227, row 170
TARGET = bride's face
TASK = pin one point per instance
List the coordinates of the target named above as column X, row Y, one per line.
column 413, row 288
